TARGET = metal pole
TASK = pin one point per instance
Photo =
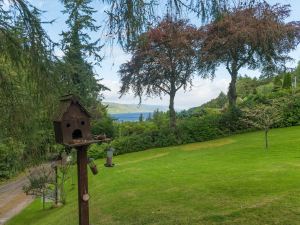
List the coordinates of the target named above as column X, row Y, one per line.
column 83, row 197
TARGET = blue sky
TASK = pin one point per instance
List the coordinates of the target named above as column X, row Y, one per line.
column 202, row 91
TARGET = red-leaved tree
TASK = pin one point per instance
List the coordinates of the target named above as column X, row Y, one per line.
column 163, row 61
column 255, row 37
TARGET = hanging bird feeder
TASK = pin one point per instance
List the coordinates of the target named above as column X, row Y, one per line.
column 93, row 166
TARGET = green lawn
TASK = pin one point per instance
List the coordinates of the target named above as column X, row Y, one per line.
column 232, row 180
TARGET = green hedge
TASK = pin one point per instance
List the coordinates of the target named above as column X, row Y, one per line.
column 194, row 127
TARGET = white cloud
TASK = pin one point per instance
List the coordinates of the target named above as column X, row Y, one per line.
column 201, row 92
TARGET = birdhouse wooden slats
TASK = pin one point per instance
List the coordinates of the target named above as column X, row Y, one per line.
column 72, row 122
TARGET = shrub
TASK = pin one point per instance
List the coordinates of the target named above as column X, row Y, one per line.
column 11, row 154
column 96, row 151
column 287, row 81
column 132, row 143
column 191, row 127
column 230, row 121
column 277, row 83
column 103, row 126
column 291, row 111
column 197, row 129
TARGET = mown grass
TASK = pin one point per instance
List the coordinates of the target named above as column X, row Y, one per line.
column 226, row 181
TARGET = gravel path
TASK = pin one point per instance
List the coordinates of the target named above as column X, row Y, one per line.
column 13, row 199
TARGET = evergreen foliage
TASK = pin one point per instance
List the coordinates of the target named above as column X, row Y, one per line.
column 277, row 83
column 128, row 19
column 287, row 81
column 32, row 80
column 77, row 71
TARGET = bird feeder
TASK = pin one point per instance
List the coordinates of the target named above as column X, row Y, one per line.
column 109, row 156
column 72, row 128
column 93, row 166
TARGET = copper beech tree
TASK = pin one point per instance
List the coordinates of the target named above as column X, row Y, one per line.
column 163, row 61
column 254, row 37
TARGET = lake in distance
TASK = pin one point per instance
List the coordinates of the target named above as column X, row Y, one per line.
column 133, row 117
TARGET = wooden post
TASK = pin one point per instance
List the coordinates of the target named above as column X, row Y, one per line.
column 83, row 197
column 56, row 185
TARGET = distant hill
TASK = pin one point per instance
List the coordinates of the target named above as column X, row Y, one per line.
column 216, row 103
column 114, row 108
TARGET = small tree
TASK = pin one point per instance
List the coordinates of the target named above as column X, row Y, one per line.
column 63, row 175
column 40, row 180
column 163, row 61
column 141, row 117
column 149, row 117
column 263, row 117
column 255, row 37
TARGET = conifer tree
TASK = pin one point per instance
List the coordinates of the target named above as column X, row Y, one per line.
column 79, row 48
column 287, row 81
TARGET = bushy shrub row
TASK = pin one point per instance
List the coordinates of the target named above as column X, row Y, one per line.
column 195, row 126
column 291, row 112
column 97, row 151
column 149, row 139
column 150, row 134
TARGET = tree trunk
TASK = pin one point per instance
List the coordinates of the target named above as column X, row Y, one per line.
column 232, row 95
column 266, row 138
column 172, row 112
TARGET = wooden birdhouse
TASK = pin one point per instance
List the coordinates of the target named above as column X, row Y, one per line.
column 72, row 123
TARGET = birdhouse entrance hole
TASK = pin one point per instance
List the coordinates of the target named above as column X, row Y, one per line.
column 77, row 134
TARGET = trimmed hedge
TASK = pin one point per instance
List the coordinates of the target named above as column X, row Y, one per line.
column 194, row 127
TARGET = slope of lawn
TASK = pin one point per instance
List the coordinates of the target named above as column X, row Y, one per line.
column 232, row 180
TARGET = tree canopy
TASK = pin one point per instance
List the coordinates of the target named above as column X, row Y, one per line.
column 32, row 79
column 255, row 37
column 76, row 69
column 127, row 19
column 163, row 61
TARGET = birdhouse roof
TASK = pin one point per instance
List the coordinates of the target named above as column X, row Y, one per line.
column 65, row 103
